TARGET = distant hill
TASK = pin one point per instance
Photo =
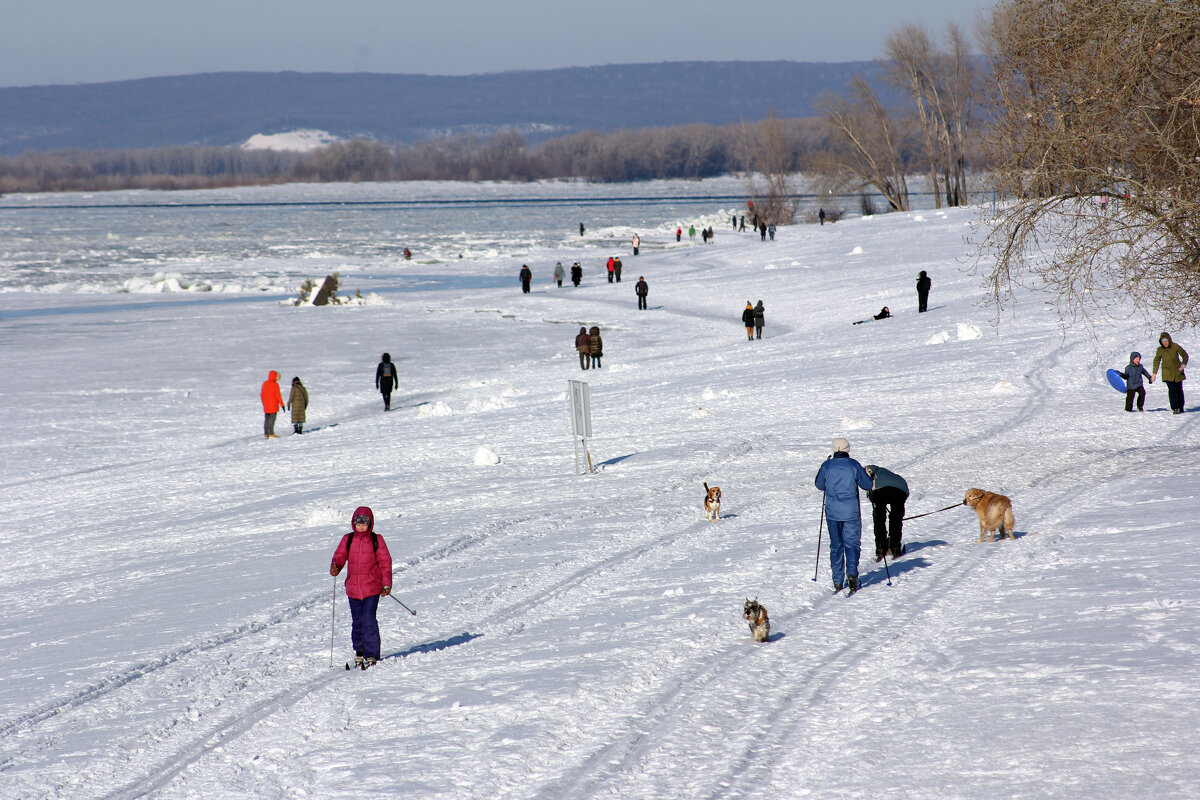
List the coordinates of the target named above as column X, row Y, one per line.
column 227, row 108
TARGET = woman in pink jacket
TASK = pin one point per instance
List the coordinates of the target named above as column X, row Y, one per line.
column 368, row 579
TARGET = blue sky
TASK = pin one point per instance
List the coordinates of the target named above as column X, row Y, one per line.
column 82, row 41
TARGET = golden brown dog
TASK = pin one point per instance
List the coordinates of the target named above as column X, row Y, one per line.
column 994, row 512
column 756, row 615
column 712, row 502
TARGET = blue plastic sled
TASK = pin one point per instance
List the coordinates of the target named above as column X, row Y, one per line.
column 1114, row 377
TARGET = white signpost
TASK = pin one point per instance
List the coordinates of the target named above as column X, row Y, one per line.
column 581, row 419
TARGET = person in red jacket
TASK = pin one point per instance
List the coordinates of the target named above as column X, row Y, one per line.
column 368, row 579
column 272, row 401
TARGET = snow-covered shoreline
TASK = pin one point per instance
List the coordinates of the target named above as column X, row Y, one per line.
column 167, row 607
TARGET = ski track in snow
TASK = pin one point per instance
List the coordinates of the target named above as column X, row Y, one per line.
column 579, row 637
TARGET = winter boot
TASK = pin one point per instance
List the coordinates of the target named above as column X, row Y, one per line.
column 853, row 581
column 837, row 587
column 372, row 662
column 358, row 660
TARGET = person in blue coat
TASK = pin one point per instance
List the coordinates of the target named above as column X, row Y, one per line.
column 840, row 478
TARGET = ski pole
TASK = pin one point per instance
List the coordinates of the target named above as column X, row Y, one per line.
column 820, row 526
column 333, row 619
column 885, row 568
column 406, row 608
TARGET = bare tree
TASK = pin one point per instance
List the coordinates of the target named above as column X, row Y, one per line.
column 866, row 145
column 941, row 84
column 1096, row 145
column 773, row 160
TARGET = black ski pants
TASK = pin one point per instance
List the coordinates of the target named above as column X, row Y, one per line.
column 888, row 510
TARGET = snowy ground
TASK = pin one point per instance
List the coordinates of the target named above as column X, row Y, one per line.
column 167, row 608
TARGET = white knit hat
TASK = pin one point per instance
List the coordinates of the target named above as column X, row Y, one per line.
column 840, row 445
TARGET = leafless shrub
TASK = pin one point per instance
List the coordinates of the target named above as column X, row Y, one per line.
column 1096, row 145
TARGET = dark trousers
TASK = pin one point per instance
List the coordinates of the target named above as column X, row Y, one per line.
column 888, row 510
column 386, row 391
column 1175, row 394
column 642, row 302
column 269, row 424
column 559, row 282
column 596, row 361
column 1140, row 393
column 525, row 287
column 584, row 360
column 364, row 628
column 757, row 331
column 922, row 301
column 610, row 276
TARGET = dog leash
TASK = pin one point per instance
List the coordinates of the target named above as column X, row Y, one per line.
column 940, row 510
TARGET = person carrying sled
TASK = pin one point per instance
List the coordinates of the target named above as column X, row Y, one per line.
column 1133, row 375
column 369, row 578
column 840, row 478
column 887, row 495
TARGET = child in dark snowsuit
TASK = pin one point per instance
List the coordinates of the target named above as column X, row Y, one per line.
column 1133, row 375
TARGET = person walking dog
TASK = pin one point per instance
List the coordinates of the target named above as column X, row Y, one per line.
column 887, row 495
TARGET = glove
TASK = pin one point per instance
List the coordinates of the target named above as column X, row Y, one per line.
column 334, row 569
column 386, row 591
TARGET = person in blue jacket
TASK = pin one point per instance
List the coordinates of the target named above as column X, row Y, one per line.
column 840, row 478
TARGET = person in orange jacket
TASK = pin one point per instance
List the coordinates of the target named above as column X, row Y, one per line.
column 272, row 400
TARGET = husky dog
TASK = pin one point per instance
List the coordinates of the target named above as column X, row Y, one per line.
column 756, row 616
column 994, row 512
column 712, row 502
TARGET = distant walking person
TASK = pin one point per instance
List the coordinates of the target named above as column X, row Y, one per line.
column 584, row 348
column 771, row 231
column 748, row 320
column 840, row 478
column 637, row 242
column 272, row 402
column 887, row 495
column 692, row 233
column 1173, row 359
column 762, row 231
column 923, row 284
column 642, row 289
column 733, row 219
column 679, row 234
column 559, row 274
column 368, row 579
column 760, row 319
column 617, row 268
column 576, row 273
column 595, row 346
column 526, row 277
column 298, row 405
column 821, row 216
column 386, row 379
column 742, row 229
column 581, row 229
column 610, row 268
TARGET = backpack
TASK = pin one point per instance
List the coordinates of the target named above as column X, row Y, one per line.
column 389, row 370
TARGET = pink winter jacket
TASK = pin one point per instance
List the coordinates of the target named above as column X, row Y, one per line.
column 370, row 569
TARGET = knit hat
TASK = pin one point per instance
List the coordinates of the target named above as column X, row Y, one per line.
column 840, row 445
